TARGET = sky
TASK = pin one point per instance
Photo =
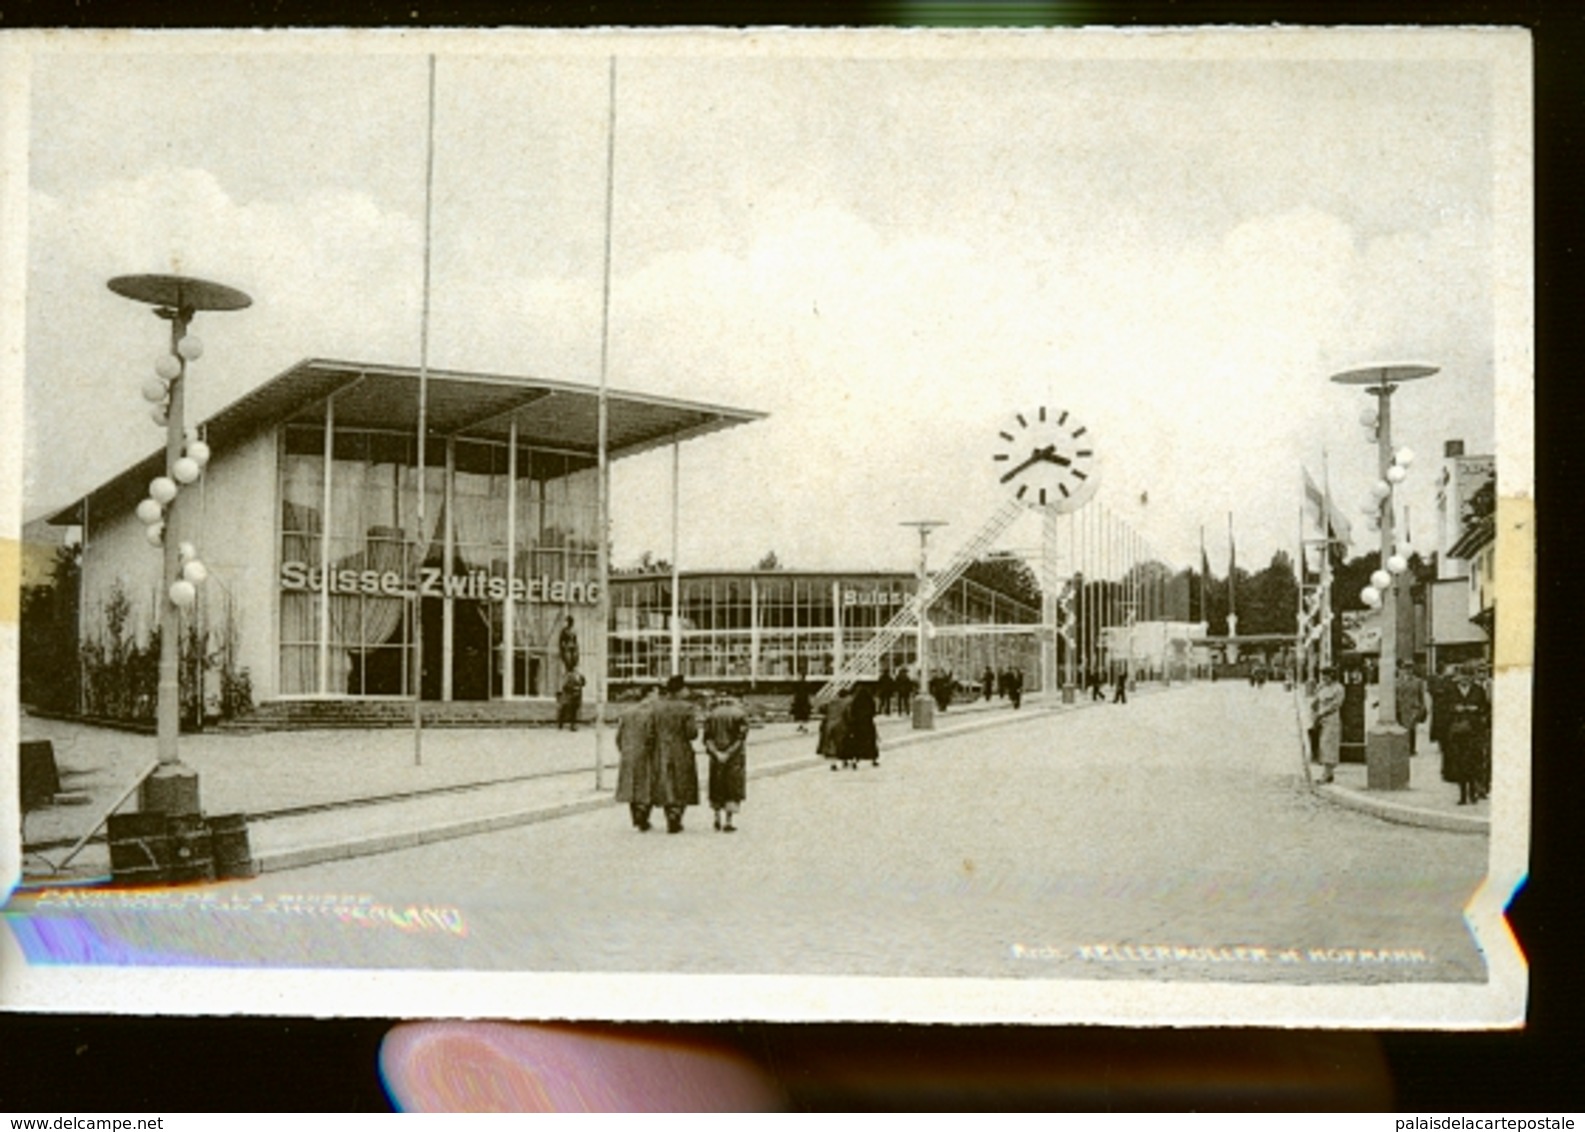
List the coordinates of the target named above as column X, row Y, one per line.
column 888, row 246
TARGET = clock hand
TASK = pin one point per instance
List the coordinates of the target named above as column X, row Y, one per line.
column 1034, row 458
column 1049, row 454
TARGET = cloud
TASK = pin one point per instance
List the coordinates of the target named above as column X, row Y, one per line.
column 330, row 274
column 1200, row 365
column 886, row 356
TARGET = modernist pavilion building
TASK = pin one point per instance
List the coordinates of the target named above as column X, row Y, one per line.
column 767, row 628
column 320, row 577
column 321, row 580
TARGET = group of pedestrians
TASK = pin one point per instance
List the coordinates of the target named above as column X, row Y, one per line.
column 659, row 765
column 1008, row 683
column 894, row 692
column 1095, row 680
column 1460, row 715
column 847, row 729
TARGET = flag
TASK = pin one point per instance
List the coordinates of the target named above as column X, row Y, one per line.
column 1333, row 523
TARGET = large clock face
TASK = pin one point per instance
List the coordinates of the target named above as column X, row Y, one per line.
column 1046, row 458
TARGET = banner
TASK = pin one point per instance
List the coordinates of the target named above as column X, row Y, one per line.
column 1333, row 523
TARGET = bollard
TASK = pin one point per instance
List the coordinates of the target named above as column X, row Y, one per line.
column 233, row 855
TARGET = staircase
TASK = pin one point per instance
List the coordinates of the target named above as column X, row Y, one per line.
column 863, row 662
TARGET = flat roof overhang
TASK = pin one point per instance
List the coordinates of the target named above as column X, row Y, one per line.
column 477, row 406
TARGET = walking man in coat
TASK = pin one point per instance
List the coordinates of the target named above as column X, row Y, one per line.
column 904, row 690
column 1410, row 707
column 636, row 776
column 726, row 742
column 675, row 730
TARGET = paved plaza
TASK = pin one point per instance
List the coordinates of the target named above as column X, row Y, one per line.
column 1173, row 837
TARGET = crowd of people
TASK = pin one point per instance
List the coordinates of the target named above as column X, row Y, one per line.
column 1458, row 705
column 655, row 737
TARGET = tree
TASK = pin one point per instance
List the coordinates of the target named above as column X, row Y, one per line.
column 1269, row 602
column 48, row 665
column 768, row 561
column 647, row 564
column 1008, row 576
column 1352, row 577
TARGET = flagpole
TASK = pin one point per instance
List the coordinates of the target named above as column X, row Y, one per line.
column 1204, row 578
column 1232, row 570
column 1326, row 563
column 423, row 422
column 1302, row 641
column 602, row 678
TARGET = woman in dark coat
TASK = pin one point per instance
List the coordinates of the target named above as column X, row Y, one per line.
column 801, row 708
column 859, row 742
column 833, row 728
column 726, row 742
column 1467, row 730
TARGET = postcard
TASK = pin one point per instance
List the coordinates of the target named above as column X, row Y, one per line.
column 930, row 526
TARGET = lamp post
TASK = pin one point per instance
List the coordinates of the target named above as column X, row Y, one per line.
column 1387, row 744
column 173, row 787
column 924, row 708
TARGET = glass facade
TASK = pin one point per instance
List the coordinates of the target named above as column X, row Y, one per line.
column 771, row 627
column 505, row 555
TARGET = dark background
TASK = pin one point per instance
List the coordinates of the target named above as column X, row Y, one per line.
column 53, row 1064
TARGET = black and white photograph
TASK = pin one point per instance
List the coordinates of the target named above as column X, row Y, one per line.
column 783, row 525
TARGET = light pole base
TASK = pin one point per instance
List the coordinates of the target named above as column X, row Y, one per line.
column 1387, row 758
column 1068, row 693
column 924, row 713
column 171, row 789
